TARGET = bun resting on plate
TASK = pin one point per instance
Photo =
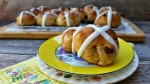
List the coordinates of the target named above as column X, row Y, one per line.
column 46, row 19
column 96, row 45
column 68, row 19
column 110, row 16
column 26, row 18
column 67, row 38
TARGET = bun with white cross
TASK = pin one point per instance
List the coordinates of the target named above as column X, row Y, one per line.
column 92, row 12
column 46, row 19
column 108, row 14
column 26, row 18
column 68, row 19
column 78, row 10
column 95, row 44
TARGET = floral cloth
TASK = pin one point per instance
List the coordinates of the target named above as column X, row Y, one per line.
column 26, row 72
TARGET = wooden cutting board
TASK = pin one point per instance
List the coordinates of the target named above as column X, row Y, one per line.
column 139, row 36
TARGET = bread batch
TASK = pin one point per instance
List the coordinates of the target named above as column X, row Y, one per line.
column 67, row 17
column 96, row 42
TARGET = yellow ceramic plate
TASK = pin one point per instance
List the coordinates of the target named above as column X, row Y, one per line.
column 47, row 53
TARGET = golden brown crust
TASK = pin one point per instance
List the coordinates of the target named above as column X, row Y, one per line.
column 61, row 20
column 91, row 16
column 50, row 20
column 35, row 11
column 56, row 11
column 102, row 20
column 67, row 40
column 73, row 17
column 80, row 11
column 99, row 51
column 27, row 20
column 44, row 9
column 88, row 8
column 103, row 9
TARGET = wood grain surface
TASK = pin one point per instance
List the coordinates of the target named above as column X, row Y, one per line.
column 13, row 51
column 138, row 37
column 133, row 9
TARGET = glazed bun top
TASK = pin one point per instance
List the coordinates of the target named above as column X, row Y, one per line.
column 44, row 9
column 78, row 10
column 103, row 9
column 89, row 8
column 35, row 11
column 96, row 45
column 26, row 16
column 57, row 11
column 108, row 16
column 68, row 19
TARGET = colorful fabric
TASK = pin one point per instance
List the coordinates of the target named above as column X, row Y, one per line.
column 26, row 72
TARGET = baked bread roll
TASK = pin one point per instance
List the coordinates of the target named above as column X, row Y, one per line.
column 46, row 19
column 80, row 11
column 35, row 11
column 103, row 9
column 108, row 16
column 68, row 19
column 96, row 45
column 92, row 12
column 26, row 18
column 57, row 11
column 91, row 16
column 89, row 8
column 67, row 39
column 44, row 9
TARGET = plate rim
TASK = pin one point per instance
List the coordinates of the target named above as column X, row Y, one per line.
column 114, row 81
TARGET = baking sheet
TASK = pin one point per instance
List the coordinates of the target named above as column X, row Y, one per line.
column 123, row 28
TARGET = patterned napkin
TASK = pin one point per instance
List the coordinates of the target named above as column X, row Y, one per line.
column 26, row 72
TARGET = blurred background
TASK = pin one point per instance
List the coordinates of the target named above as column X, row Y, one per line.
column 135, row 10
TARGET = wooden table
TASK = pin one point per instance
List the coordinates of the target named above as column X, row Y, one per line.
column 13, row 51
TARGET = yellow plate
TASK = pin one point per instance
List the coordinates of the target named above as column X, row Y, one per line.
column 47, row 54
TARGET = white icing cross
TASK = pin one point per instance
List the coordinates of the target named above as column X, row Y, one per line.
column 44, row 18
column 52, row 11
column 21, row 15
column 98, row 31
column 67, row 18
column 73, row 9
column 32, row 9
column 77, row 30
column 94, row 7
column 41, row 8
column 96, row 10
column 109, row 16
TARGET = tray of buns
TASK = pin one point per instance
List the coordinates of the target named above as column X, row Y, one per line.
column 43, row 22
